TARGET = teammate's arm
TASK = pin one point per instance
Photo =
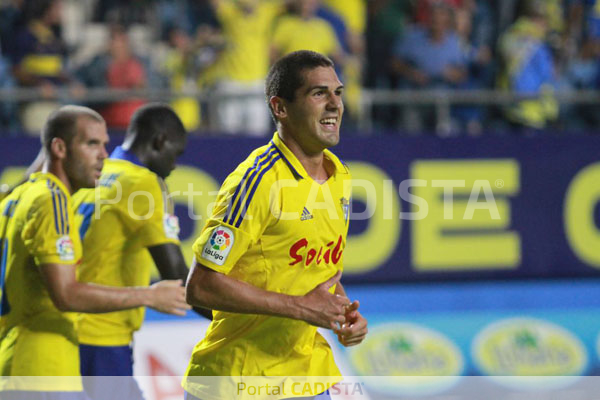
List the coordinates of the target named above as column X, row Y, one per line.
column 211, row 289
column 70, row 295
column 170, row 263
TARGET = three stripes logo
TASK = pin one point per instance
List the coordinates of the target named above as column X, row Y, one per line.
column 306, row 215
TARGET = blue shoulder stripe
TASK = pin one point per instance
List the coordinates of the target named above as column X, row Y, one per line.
column 242, row 187
column 237, row 190
column 67, row 228
column 51, row 187
column 296, row 173
column 249, row 181
column 61, row 210
column 254, row 187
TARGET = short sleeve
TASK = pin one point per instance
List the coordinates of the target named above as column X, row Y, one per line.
column 239, row 217
column 148, row 213
column 50, row 234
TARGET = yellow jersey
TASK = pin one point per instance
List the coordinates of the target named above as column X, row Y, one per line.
column 353, row 12
column 275, row 228
column 127, row 212
column 37, row 228
column 245, row 58
column 293, row 33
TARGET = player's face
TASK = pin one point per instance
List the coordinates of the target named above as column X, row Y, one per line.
column 316, row 112
column 166, row 158
column 87, row 152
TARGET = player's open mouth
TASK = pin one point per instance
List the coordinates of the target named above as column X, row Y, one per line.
column 329, row 122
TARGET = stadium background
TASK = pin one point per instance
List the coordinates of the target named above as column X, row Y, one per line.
column 444, row 298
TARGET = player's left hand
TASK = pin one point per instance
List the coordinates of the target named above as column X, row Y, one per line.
column 354, row 330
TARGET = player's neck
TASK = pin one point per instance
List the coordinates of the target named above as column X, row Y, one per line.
column 315, row 167
column 137, row 151
column 313, row 162
column 55, row 168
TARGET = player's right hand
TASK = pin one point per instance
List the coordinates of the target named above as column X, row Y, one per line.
column 168, row 297
column 322, row 308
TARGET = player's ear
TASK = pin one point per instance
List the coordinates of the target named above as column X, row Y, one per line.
column 158, row 142
column 58, row 148
column 278, row 106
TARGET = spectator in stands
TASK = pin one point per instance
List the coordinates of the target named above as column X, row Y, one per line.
column 583, row 16
column 238, row 73
column 475, row 42
column 429, row 58
column 11, row 14
column 484, row 29
column 528, row 68
column 582, row 73
column 38, row 59
column 187, row 15
column 126, row 13
column 387, row 21
column 181, row 68
column 583, row 23
column 317, row 34
column 353, row 15
column 38, row 51
column 424, row 9
column 8, row 112
column 299, row 28
column 118, row 68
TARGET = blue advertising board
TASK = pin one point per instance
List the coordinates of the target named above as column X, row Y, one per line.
column 425, row 208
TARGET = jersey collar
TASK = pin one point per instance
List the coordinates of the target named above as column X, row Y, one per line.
column 119, row 153
column 340, row 167
column 51, row 177
column 296, row 166
column 290, row 159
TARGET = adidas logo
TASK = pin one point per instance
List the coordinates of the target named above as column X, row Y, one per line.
column 306, row 215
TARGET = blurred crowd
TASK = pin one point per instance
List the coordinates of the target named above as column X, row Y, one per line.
column 64, row 48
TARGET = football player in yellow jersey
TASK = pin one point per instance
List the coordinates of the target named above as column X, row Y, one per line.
column 39, row 253
column 127, row 225
column 270, row 257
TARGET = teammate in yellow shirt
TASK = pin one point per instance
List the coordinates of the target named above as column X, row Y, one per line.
column 270, row 257
column 127, row 225
column 40, row 250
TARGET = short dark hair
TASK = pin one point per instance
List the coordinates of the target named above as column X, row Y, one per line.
column 152, row 119
column 62, row 123
column 285, row 76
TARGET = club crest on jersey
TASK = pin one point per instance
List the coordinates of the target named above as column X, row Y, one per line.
column 345, row 208
column 65, row 248
column 219, row 245
column 171, row 226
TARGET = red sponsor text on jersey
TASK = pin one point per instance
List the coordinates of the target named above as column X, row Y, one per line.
column 300, row 251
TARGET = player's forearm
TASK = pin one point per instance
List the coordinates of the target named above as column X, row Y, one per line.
column 170, row 262
column 68, row 294
column 91, row 298
column 210, row 289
